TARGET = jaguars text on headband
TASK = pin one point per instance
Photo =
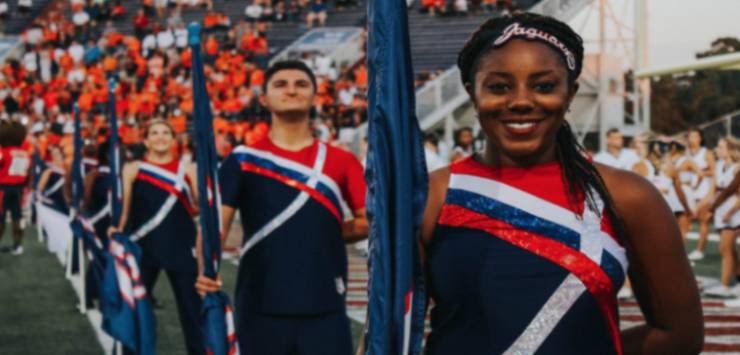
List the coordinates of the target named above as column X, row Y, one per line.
column 517, row 30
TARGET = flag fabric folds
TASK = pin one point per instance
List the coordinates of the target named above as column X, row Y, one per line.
column 216, row 317
column 77, row 187
column 397, row 187
column 77, row 179
column 127, row 312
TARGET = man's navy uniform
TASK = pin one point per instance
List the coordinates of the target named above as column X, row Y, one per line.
column 292, row 280
column 161, row 222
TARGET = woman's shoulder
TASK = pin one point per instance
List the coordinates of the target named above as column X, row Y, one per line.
column 627, row 189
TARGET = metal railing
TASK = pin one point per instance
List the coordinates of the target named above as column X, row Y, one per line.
column 439, row 97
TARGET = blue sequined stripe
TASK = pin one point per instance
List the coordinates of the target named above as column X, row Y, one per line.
column 514, row 216
column 612, row 268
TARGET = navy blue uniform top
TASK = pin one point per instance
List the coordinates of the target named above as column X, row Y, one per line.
column 54, row 190
column 293, row 260
column 514, row 267
column 171, row 244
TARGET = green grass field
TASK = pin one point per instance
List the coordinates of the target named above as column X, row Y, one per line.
column 38, row 314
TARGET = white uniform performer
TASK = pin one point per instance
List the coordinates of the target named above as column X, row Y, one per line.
column 701, row 190
column 724, row 173
column 688, row 181
column 664, row 184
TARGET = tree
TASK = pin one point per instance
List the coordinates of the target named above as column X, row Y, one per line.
column 681, row 101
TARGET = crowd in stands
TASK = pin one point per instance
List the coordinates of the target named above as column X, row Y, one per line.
column 463, row 7
column 69, row 59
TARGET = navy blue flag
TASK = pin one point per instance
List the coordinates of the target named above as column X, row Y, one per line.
column 397, row 187
column 216, row 316
column 127, row 312
column 77, row 184
column 77, row 168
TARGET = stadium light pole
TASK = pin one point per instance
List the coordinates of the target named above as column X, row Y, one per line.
column 641, row 86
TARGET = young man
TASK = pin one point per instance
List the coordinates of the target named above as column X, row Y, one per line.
column 615, row 154
column 300, row 200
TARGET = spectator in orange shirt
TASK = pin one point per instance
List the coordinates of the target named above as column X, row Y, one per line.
column 178, row 121
column 211, row 49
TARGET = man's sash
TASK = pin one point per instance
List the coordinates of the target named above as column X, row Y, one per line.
column 164, row 180
column 314, row 175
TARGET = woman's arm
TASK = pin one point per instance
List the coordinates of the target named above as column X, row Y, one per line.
column 88, row 191
column 192, row 172
column 661, row 277
column 356, row 229
column 128, row 175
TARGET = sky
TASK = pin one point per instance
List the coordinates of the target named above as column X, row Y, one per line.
column 677, row 29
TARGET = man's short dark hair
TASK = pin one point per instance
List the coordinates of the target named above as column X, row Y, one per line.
column 288, row 65
column 612, row 131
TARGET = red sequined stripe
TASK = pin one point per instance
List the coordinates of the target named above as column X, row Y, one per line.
column 169, row 188
column 316, row 195
column 591, row 274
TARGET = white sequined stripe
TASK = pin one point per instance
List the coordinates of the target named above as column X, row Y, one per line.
column 545, row 321
column 164, row 210
column 54, row 188
column 292, row 208
column 548, row 317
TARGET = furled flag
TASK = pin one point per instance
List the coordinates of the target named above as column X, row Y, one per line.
column 127, row 311
column 216, row 316
column 397, row 187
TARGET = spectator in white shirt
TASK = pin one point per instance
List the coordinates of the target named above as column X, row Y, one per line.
column 76, row 75
column 3, row 9
column 76, row 51
column 181, row 37
column 253, row 12
column 30, row 62
column 24, row 6
column 80, row 18
column 148, row 44
column 34, row 35
column 347, row 95
column 434, row 161
column 165, row 39
column 615, row 154
column 323, row 65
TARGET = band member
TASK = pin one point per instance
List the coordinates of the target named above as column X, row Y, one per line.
column 159, row 204
column 50, row 189
column 15, row 169
column 300, row 201
column 97, row 195
column 527, row 243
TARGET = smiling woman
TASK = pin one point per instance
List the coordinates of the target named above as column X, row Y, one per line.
column 527, row 244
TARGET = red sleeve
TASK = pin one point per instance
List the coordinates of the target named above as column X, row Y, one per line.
column 353, row 186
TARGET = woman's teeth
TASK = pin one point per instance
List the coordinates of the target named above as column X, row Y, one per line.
column 520, row 125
